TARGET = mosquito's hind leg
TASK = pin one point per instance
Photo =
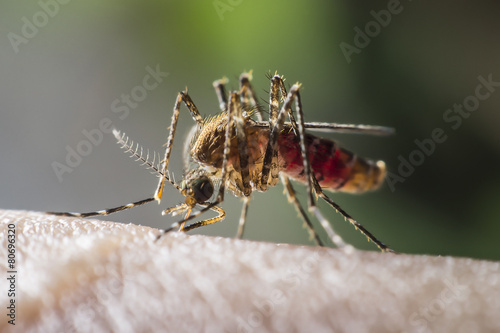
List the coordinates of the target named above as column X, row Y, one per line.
column 363, row 230
column 313, row 183
column 292, row 96
column 243, row 217
column 290, row 192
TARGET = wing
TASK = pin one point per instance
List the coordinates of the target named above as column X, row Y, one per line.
column 350, row 128
column 341, row 128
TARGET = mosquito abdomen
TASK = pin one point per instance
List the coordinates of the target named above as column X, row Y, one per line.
column 335, row 168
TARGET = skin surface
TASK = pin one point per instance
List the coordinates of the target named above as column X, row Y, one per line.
column 76, row 275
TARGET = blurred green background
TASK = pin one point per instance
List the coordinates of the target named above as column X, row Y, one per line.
column 63, row 76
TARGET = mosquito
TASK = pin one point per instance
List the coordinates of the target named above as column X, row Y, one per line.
column 237, row 150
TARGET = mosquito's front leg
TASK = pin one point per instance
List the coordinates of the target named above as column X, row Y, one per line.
column 181, row 97
column 220, row 196
column 220, row 90
column 248, row 95
column 220, row 217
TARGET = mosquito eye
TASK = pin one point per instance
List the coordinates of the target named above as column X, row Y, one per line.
column 202, row 189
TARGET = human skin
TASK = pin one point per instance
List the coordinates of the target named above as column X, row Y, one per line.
column 88, row 275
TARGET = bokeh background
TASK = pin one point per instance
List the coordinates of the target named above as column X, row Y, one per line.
column 63, row 77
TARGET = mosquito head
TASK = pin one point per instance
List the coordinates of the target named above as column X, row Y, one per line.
column 197, row 188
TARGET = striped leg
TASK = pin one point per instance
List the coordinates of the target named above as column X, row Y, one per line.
column 220, row 217
column 270, row 164
column 220, row 90
column 248, row 99
column 290, row 192
column 104, row 211
column 234, row 114
column 175, row 226
column 356, row 224
column 336, row 239
column 248, row 95
column 243, row 217
column 135, row 151
column 274, row 99
column 181, row 97
column 276, row 120
column 313, row 183
column 290, row 115
column 272, row 168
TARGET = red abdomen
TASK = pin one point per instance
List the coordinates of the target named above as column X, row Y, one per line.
column 335, row 168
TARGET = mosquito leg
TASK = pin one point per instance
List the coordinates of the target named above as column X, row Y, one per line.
column 363, row 230
column 181, row 97
column 195, row 114
column 104, row 211
column 135, row 151
column 220, row 90
column 270, row 163
column 178, row 225
column 226, row 151
column 313, row 183
column 290, row 114
column 168, row 150
column 234, row 108
column 233, row 103
column 235, row 115
column 248, row 95
column 243, row 217
column 336, row 239
column 274, row 100
column 220, row 217
column 290, row 192
column 271, row 152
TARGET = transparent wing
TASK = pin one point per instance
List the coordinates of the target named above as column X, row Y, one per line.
column 341, row 128
column 350, row 128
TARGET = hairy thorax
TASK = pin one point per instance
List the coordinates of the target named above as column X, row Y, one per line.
column 207, row 149
column 335, row 168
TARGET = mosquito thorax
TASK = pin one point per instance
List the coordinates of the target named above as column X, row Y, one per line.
column 208, row 147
